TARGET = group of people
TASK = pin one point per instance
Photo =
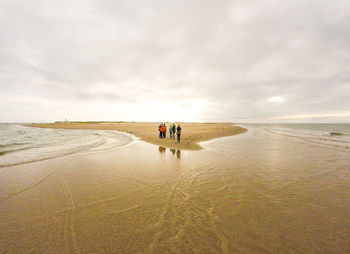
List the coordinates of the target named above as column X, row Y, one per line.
column 172, row 130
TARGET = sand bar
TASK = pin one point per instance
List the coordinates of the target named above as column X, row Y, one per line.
column 192, row 133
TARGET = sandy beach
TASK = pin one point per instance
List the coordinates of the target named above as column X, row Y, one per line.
column 192, row 133
column 258, row 192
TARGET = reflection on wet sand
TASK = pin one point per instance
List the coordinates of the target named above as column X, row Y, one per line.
column 177, row 152
column 162, row 149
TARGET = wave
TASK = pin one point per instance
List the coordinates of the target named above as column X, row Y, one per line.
column 59, row 153
column 336, row 140
column 48, row 144
column 336, row 134
column 13, row 150
column 11, row 144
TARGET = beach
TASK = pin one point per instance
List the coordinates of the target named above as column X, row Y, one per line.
column 192, row 133
column 256, row 95
column 258, row 192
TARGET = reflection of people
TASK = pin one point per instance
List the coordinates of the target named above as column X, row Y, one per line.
column 178, row 154
column 162, row 149
column 173, row 151
column 178, row 133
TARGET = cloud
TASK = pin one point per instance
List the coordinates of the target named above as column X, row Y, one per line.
column 308, row 116
column 137, row 55
column 275, row 99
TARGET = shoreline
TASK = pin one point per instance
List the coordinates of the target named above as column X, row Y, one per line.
column 192, row 133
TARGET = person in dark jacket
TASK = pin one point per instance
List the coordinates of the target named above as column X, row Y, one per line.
column 178, row 133
column 160, row 131
column 164, row 131
column 174, row 129
column 170, row 131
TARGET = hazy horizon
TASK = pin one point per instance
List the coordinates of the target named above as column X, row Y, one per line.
column 184, row 61
column 272, row 123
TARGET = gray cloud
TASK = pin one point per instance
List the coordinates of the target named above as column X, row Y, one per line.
column 111, row 60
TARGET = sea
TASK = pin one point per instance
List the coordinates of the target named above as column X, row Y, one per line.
column 333, row 135
column 20, row 144
column 337, row 135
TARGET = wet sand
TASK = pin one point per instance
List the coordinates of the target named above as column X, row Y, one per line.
column 251, row 193
column 192, row 133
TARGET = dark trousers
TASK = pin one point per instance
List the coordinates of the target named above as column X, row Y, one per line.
column 178, row 138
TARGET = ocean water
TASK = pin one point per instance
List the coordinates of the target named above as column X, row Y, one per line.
column 336, row 135
column 20, row 144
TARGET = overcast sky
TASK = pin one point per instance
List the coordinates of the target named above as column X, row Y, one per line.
column 183, row 60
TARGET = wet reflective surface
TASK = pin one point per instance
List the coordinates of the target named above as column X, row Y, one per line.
column 251, row 193
column 174, row 152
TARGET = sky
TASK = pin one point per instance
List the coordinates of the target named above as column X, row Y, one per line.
column 141, row 60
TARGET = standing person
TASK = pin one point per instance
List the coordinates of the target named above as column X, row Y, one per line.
column 160, row 131
column 164, row 131
column 178, row 133
column 170, row 131
column 174, row 129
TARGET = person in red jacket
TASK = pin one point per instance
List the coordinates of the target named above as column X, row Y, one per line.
column 164, row 131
